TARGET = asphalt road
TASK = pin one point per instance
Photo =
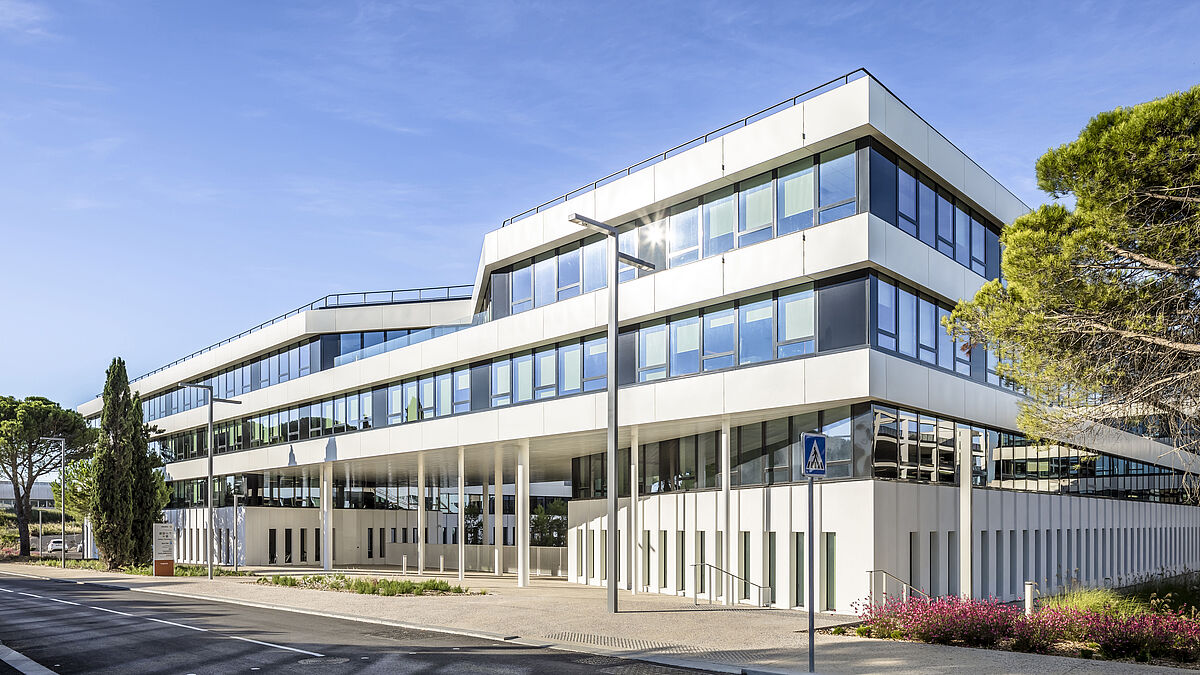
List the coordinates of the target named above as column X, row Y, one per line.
column 73, row 628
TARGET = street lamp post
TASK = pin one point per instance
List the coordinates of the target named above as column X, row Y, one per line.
column 615, row 258
column 208, row 541
column 62, row 480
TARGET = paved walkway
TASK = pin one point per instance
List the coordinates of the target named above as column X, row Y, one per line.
column 664, row 628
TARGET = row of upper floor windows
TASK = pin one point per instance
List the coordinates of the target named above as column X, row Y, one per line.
column 789, row 323
column 296, row 491
column 837, row 313
column 311, row 355
column 881, row 441
column 849, row 179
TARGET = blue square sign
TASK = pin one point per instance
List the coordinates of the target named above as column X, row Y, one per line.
column 814, row 455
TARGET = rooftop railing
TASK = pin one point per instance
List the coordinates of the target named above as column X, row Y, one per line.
column 397, row 297
column 699, row 140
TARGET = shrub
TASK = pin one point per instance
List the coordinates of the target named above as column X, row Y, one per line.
column 1039, row 632
column 976, row 623
column 838, row 630
column 863, row 631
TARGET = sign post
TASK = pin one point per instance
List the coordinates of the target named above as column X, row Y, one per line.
column 164, row 550
column 237, row 492
column 814, row 467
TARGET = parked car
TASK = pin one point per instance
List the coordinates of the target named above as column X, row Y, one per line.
column 54, row 545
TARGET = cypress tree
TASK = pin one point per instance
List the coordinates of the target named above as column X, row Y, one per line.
column 144, row 484
column 112, row 506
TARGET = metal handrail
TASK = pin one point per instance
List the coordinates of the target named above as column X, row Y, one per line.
column 711, row 588
column 908, row 588
column 396, row 297
column 765, row 112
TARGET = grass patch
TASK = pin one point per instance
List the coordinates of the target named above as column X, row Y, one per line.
column 139, row 570
column 1097, row 600
column 366, row 585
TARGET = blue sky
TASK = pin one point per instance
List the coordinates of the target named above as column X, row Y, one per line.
column 173, row 173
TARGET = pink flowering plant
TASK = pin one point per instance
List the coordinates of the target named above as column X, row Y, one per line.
column 1159, row 632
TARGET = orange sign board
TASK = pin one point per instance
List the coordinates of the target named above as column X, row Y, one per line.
column 164, row 568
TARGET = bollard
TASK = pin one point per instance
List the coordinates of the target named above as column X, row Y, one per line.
column 442, row 561
column 404, row 563
column 1029, row 597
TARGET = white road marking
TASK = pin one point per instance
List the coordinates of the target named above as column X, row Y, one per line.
column 172, row 623
column 272, row 645
column 269, row 644
column 110, row 611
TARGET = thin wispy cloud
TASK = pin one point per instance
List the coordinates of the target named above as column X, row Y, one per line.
column 24, row 20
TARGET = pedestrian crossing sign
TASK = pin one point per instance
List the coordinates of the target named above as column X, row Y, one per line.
column 814, row 455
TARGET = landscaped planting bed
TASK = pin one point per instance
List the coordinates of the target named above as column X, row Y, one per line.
column 140, row 570
column 1087, row 624
column 367, row 585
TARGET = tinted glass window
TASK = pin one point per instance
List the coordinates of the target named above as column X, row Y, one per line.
column 569, row 270
column 885, row 314
column 797, row 321
column 522, row 287
column 685, row 345
column 523, row 378
column 945, row 225
column 501, row 382
column 720, row 326
column 755, row 330
column 595, row 363
column 652, row 352
column 546, row 366
column 544, row 288
column 796, row 196
column 684, row 233
column 962, row 236
column 570, row 369
column 883, row 187
column 842, row 314
column 720, row 220
column 757, row 209
column 927, row 214
column 838, row 177
column 595, row 270
column 907, row 322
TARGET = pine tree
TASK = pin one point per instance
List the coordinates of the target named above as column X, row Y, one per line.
column 112, row 505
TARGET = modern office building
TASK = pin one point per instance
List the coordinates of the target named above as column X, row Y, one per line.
column 804, row 257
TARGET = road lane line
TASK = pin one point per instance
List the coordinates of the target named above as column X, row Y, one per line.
column 22, row 663
column 172, row 623
column 270, row 644
column 5, row 590
column 111, row 611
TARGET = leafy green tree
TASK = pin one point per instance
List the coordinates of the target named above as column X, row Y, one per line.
column 24, row 457
column 548, row 525
column 1097, row 318
column 81, row 479
column 112, row 495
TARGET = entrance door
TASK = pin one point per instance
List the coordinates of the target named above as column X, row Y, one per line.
column 271, row 559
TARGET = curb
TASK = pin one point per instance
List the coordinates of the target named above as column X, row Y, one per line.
column 709, row 666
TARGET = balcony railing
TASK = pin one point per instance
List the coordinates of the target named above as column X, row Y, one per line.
column 396, row 297
column 699, row 140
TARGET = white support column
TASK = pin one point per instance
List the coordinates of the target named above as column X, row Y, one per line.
column 462, row 514
column 420, row 514
column 326, row 516
column 966, row 536
column 523, row 515
column 498, row 518
column 633, row 563
column 727, row 537
column 483, row 520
